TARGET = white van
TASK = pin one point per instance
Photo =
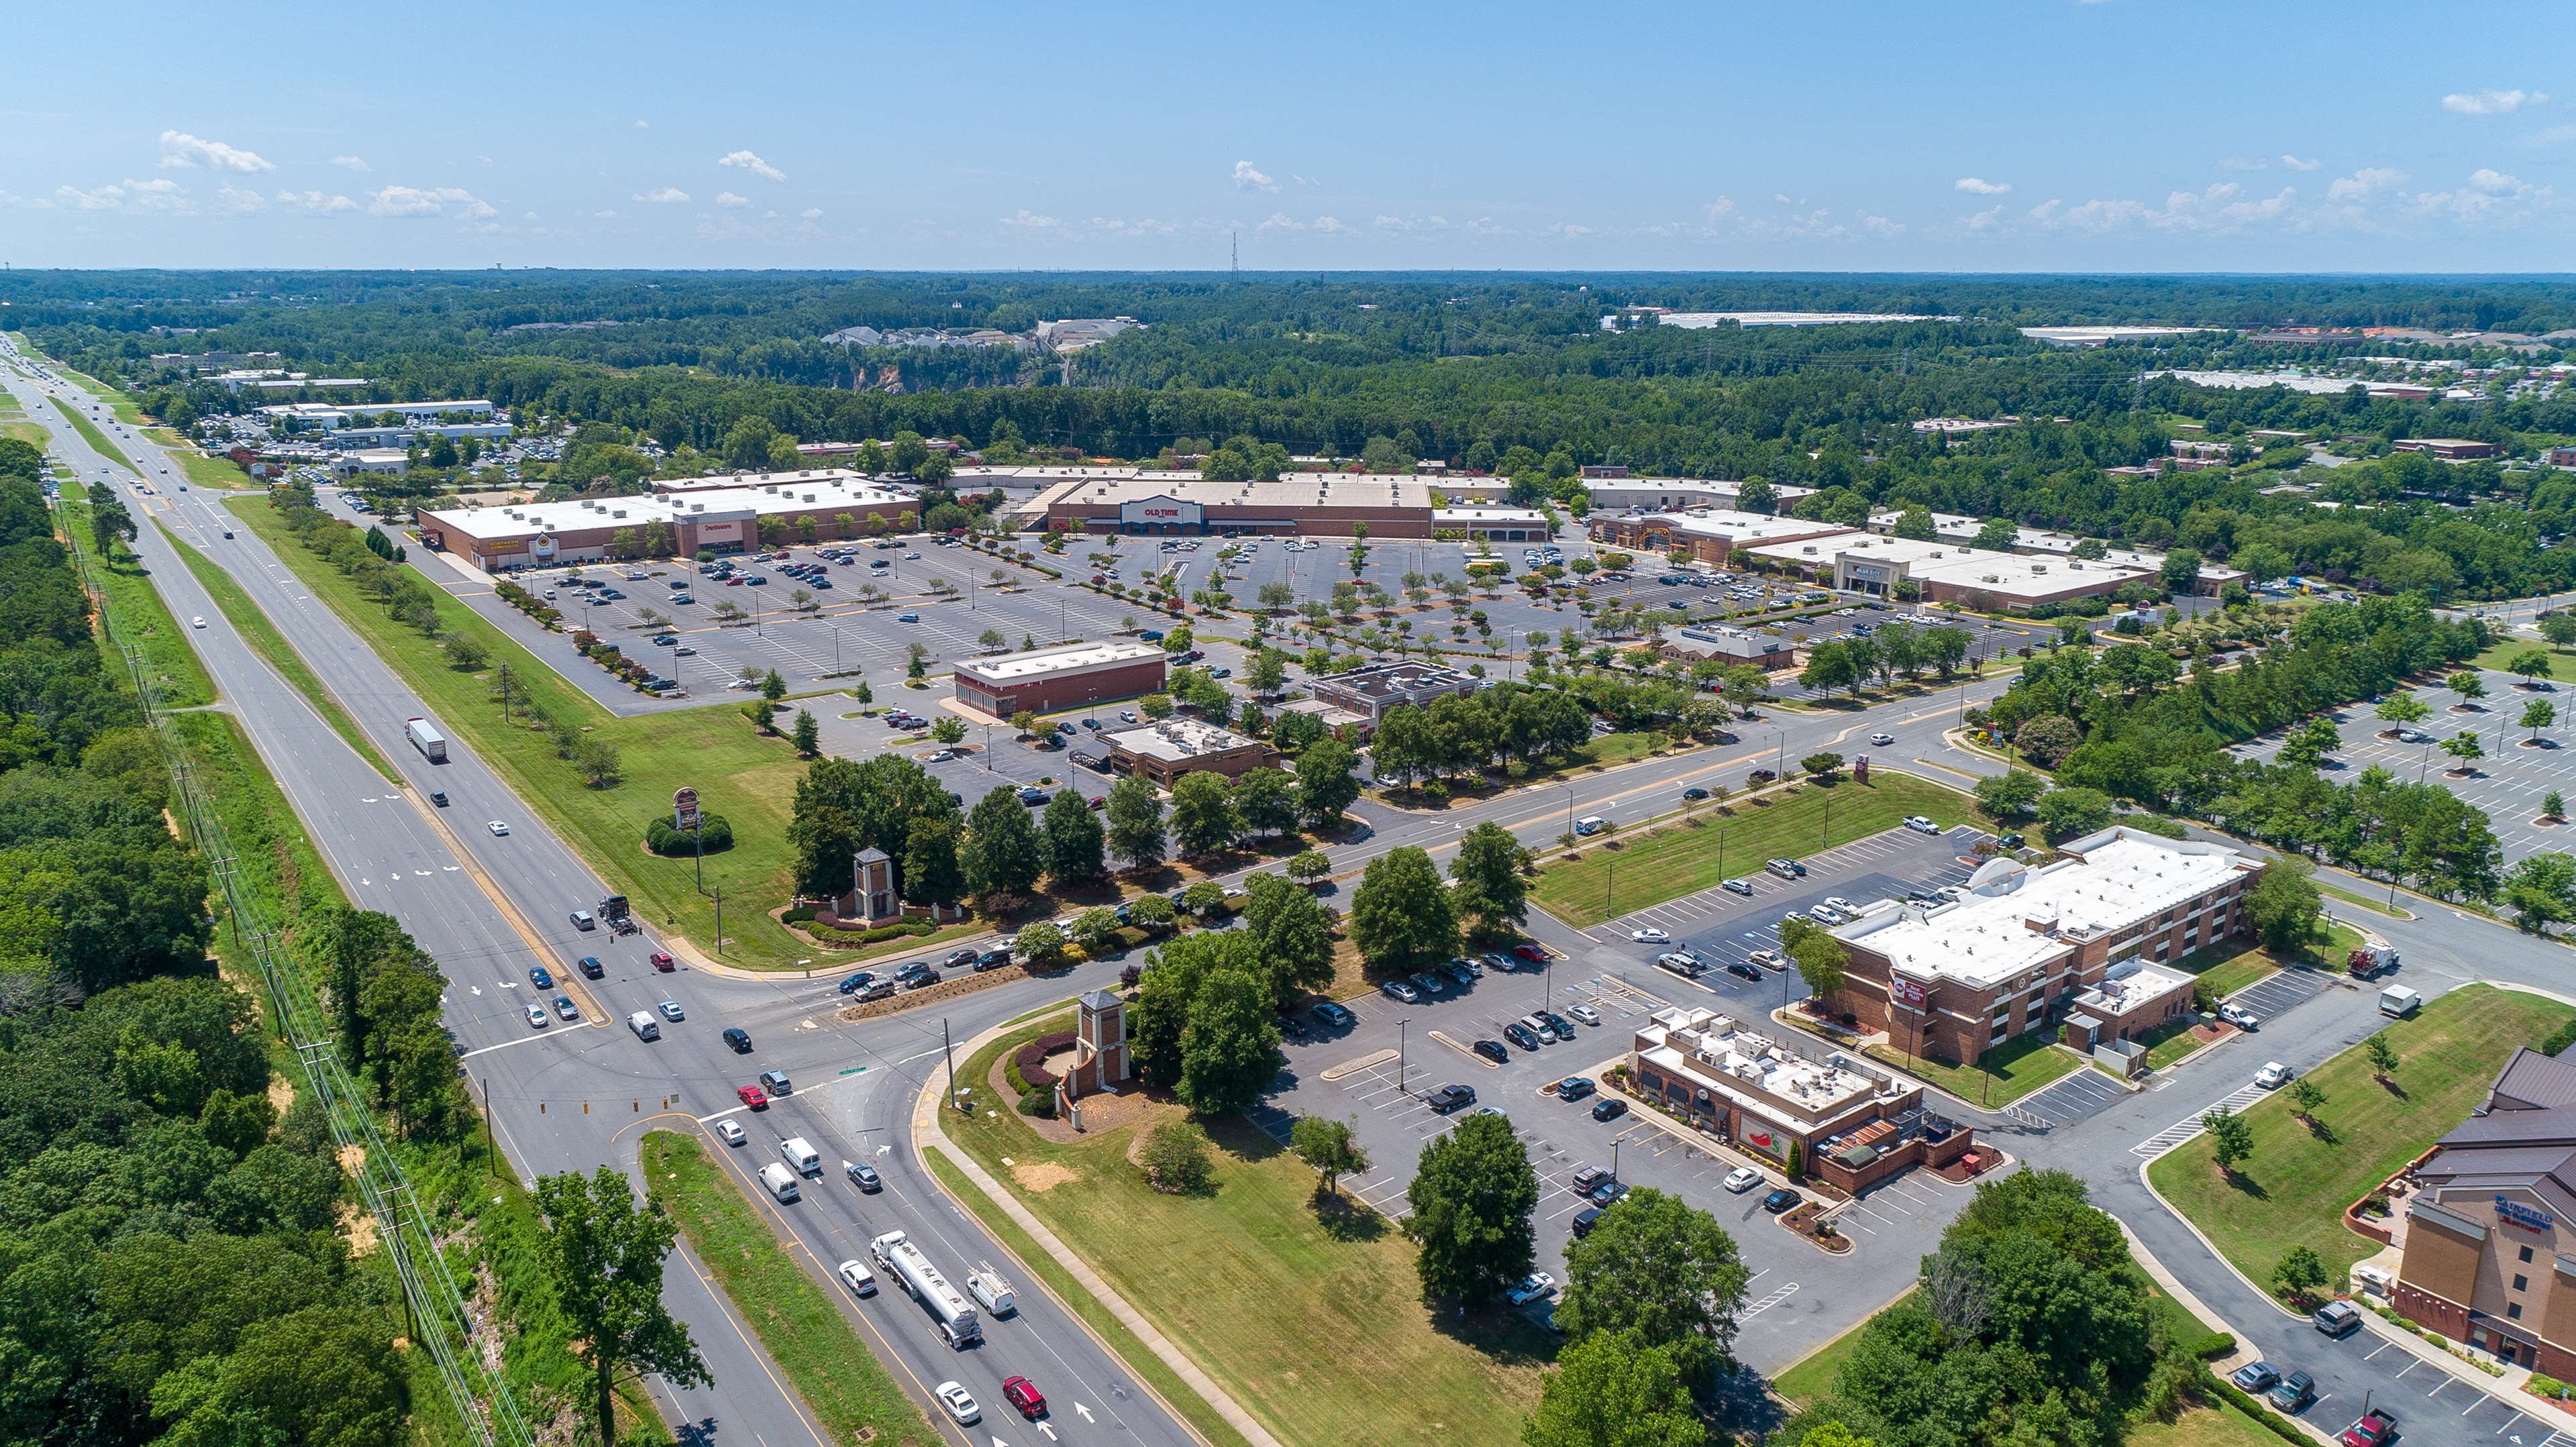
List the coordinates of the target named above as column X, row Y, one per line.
column 989, row 1288
column 2399, row 1001
column 644, row 1025
column 800, row 1154
column 781, row 1182
column 1590, row 824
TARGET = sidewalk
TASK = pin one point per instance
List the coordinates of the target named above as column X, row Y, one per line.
column 926, row 1130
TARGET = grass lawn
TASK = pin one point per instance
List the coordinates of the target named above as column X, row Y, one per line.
column 144, row 620
column 1313, row 1322
column 1629, row 873
column 2171, row 1041
column 2226, row 966
column 746, row 778
column 2376, row 905
column 31, row 433
column 96, row 439
column 2293, row 1189
column 203, row 471
column 1816, row 1375
column 271, row 645
column 2216, row 1425
column 831, row 1366
column 2017, row 1067
column 2562, row 661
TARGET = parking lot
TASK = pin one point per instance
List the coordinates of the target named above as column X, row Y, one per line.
column 2508, row 783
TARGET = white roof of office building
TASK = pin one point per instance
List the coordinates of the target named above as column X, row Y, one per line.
column 1292, row 490
column 2006, row 575
column 1611, row 492
column 2014, row 918
column 1746, row 529
column 1758, row 1071
column 1063, row 658
column 1178, row 739
column 1789, row 319
column 753, row 494
column 1526, row 516
column 1958, row 528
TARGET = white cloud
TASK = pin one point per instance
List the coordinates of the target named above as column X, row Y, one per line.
column 158, row 194
column 317, row 202
column 2221, row 207
column 178, row 148
column 727, row 198
column 2295, row 164
column 666, row 196
column 1881, row 226
column 2487, row 196
column 2243, row 163
column 2551, row 136
column 2493, row 102
column 1979, row 186
column 2365, row 183
column 239, row 202
column 749, row 162
column 103, row 198
column 1248, row 177
column 352, row 163
column 1991, row 219
column 1144, row 226
column 643, row 125
column 1718, row 209
column 1028, row 220
column 812, row 213
column 605, row 215
column 429, row 201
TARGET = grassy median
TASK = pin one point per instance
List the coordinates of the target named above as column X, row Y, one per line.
column 803, row 1330
column 96, row 439
column 2293, row 1189
column 1630, row 872
column 1313, row 1321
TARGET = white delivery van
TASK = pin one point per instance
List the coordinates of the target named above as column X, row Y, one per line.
column 780, row 1181
column 2400, row 1000
column 800, row 1154
column 1590, row 824
column 644, row 1025
column 988, row 1287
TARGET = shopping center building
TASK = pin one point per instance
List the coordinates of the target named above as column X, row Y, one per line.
column 722, row 514
column 1043, row 680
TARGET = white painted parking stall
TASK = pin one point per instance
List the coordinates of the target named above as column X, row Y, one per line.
column 2064, row 1102
column 2183, row 1130
column 2277, row 994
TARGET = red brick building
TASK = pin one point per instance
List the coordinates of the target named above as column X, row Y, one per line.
column 1046, row 679
column 2076, row 943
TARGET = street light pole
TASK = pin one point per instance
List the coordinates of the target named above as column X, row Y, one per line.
column 1401, row 1028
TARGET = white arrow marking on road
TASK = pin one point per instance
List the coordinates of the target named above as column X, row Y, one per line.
column 998, row 1442
column 883, row 1150
column 1085, row 1411
column 1049, row 1431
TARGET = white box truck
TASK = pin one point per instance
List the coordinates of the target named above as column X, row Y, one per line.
column 2399, row 1001
column 426, row 738
column 644, row 1025
column 896, row 1254
column 780, row 1181
column 800, row 1154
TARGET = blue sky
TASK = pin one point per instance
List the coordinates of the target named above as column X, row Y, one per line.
column 2125, row 135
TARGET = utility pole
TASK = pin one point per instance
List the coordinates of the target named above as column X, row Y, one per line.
column 491, row 1147
column 1401, row 1027
column 949, row 1054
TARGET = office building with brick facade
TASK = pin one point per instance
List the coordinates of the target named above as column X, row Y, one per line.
column 1371, row 690
column 1164, row 751
column 1165, row 504
column 2488, row 1233
column 2076, row 941
column 682, row 517
column 1043, row 680
column 1710, row 536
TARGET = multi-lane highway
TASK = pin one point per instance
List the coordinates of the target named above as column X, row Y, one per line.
column 490, row 907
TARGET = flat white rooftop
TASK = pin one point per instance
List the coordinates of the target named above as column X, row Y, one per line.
column 687, row 499
column 2014, row 917
column 1756, row 1070
column 2005, row 575
column 1064, row 658
column 1292, row 490
column 1745, row 529
column 1789, row 319
column 1177, row 739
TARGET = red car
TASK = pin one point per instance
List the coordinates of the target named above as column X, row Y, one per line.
column 753, row 1096
column 1099, row 801
column 2375, row 1429
column 663, row 962
column 1021, row 1394
column 1531, row 953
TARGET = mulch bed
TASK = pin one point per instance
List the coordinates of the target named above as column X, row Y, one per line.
column 1802, row 1219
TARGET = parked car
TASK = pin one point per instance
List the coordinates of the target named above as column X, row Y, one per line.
column 1740, row 886
column 1780, row 1200
column 1585, row 1178
column 1609, row 1107
column 2255, row 1377
column 1521, row 1035
column 1334, row 1016
column 1432, row 986
column 2273, row 1075
column 1574, row 1087
column 1535, row 954
column 1742, row 1179
column 1584, row 1220
column 2294, row 1393
column 2376, row 1428
column 1744, row 971
column 2239, row 1016
column 1608, row 1193
column 1492, row 1050
column 1451, row 1097
column 1400, row 991
column 1584, row 1013
column 1921, row 825
column 1531, row 1288
column 1650, row 936
column 2337, row 1318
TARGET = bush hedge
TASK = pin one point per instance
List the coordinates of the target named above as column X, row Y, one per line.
column 668, row 839
column 1028, row 1064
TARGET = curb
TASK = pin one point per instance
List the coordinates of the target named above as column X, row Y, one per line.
column 925, row 1123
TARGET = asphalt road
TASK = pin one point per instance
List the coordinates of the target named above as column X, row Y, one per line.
column 490, row 907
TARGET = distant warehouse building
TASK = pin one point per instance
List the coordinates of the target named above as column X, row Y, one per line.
column 1947, row 573
column 1329, row 504
column 698, row 514
column 1708, row 536
column 1046, row 679
column 1370, row 691
column 2448, row 449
